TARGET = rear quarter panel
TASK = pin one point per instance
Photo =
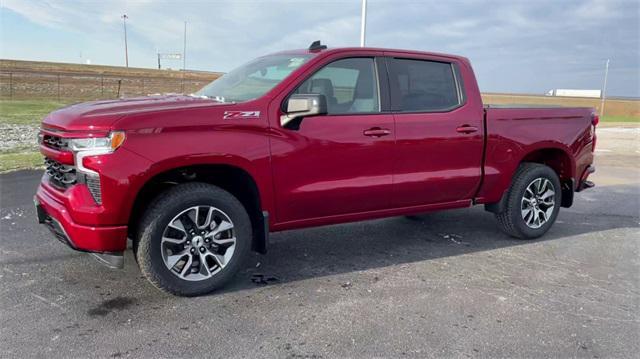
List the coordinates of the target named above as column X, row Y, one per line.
column 514, row 133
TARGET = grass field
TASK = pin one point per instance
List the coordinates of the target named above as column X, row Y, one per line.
column 15, row 161
column 625, row 119
column 26, row 112
column 29, row 113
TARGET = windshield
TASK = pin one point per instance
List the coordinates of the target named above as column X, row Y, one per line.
column 254, row 79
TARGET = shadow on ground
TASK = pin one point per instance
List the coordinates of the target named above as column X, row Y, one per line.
column 331, row 250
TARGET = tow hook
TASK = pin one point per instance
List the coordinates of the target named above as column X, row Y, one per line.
column 111, row 260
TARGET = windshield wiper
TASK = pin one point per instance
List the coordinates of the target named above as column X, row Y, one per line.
column 198, row 96
column 215, row 98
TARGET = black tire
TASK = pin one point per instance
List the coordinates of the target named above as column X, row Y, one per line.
column 511, row 220
column 147, row 245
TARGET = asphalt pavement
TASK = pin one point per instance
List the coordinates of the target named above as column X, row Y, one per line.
column 446, row 284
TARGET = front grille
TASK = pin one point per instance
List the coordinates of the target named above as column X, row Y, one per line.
column 61, row 176
column 64, row 176
column 55, row 142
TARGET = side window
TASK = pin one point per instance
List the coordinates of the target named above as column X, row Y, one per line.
column 350, row 86
column 419, row 85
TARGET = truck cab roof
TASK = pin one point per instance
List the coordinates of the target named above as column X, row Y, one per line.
column 369, row 49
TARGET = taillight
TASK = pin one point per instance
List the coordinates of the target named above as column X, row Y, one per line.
column 595, row 120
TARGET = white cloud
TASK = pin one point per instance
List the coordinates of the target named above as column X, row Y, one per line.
column 599, row 10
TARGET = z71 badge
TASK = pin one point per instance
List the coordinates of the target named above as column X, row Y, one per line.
column 241, row 115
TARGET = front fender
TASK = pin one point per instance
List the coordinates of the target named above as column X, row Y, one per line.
column 166, row 150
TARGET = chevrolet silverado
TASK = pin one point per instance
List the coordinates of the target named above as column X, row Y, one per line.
column 296, row 139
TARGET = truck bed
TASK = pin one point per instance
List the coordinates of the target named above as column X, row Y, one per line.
column 532, row 132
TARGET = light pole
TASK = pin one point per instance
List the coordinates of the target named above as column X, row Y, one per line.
column 184, row 48
column 184, row 57
column 363, row 23
column 126, row 50
column 604, row 88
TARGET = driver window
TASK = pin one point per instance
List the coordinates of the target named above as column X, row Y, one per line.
column 350, row 86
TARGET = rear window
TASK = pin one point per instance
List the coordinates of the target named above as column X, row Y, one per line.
column 423, row 86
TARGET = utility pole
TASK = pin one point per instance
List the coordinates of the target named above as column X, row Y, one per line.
column 184, row 57
column 184, row 48
column 126, row 50
column 363, row 23
column 604, row 88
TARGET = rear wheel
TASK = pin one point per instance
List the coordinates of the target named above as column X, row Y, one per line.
column 533, row 202
column 193, row 239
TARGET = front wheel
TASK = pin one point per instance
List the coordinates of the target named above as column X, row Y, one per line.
column 533, row 202
column 193, row 239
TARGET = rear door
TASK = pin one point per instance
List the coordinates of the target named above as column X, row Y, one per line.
column 339, row 163
column 439, row 133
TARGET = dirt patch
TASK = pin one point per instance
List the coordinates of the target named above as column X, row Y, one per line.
column 111, row 305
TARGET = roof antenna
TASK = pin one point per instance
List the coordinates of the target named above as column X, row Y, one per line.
column 316, row 46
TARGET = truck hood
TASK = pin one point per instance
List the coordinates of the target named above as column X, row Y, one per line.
column 101, row 115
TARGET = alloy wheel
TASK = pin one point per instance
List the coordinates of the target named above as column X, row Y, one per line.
column 198, row 243
column 538, row 203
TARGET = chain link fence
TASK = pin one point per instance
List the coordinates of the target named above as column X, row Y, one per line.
column 26, row 85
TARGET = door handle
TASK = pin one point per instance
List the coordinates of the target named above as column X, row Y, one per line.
column 466, row 129
column 376, row 132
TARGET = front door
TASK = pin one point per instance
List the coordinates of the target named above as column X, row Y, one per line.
column 338, row 163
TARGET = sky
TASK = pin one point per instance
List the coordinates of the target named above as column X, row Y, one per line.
column 514, row 46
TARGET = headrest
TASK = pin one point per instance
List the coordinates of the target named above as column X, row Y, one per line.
column 322, row 86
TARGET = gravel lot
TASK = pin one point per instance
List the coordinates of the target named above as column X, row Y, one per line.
column 18, row 136
column 447, row 284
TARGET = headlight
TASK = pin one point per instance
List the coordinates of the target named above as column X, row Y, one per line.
column 98, row 144
column 93, row 146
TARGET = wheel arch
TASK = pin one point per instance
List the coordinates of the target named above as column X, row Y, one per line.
column 554, row 156
column 232, row 178
column 562, row 163
column 557, row 158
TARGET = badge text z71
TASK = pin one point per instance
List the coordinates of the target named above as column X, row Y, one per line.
column 241, row 115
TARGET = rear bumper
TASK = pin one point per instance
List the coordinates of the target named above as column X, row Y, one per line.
column 584, row 182
column 99, row 239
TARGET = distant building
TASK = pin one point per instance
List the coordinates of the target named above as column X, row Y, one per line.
column 575, row 93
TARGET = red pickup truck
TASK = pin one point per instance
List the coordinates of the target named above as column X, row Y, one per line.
column 297, row 139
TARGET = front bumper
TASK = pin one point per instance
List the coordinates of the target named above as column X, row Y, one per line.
column 51, row 210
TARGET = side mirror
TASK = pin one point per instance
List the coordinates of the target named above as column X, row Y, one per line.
column 304, row 105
